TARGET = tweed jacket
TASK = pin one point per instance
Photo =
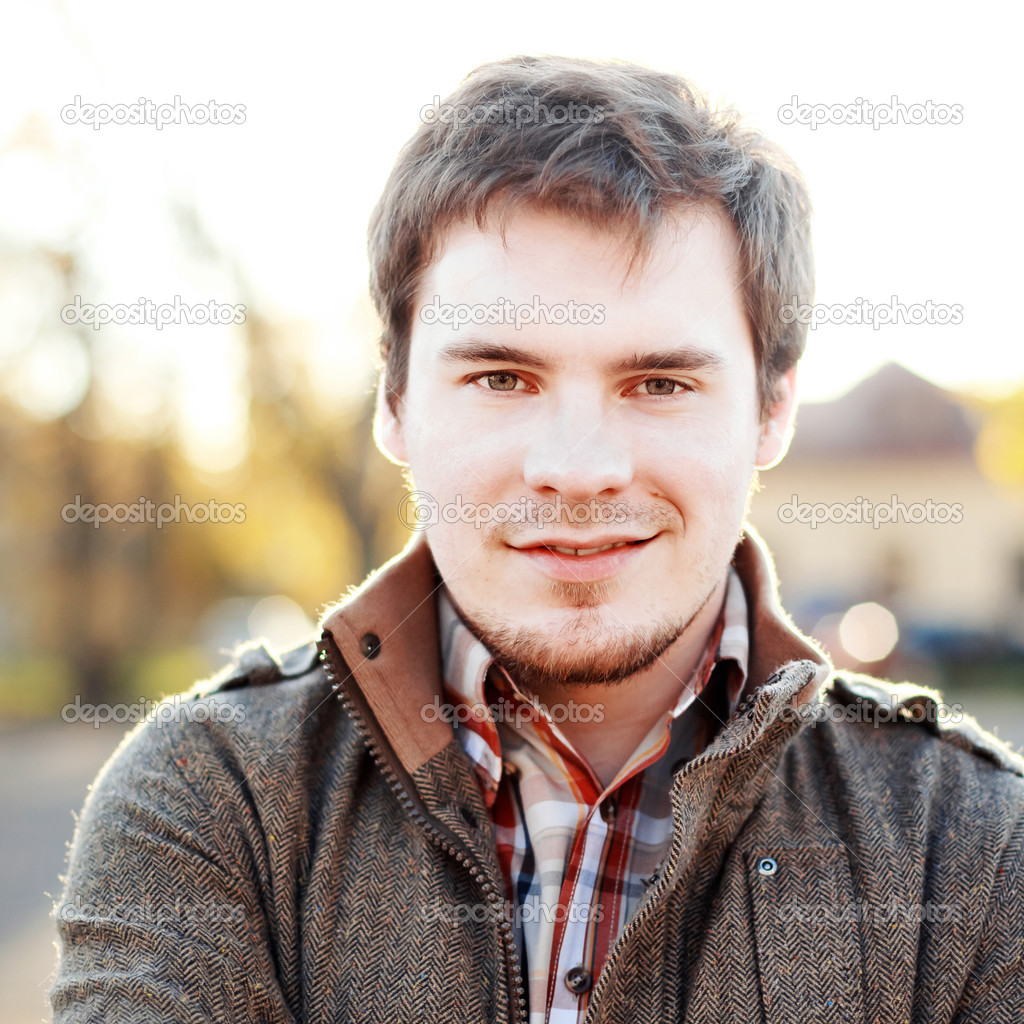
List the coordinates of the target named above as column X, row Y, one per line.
column 295, row 848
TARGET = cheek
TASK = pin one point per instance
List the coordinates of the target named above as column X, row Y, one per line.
column 458, row 453
column 701, row 467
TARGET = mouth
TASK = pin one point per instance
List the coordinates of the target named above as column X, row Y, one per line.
column 597, row 561
column 582, row 552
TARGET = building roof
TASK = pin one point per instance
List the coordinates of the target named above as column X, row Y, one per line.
column 892, row 414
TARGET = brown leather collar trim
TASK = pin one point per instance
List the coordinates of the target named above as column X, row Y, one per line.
column 396, row 608
column 774, row 639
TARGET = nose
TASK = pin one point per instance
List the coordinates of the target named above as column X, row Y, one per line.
column 578, row 453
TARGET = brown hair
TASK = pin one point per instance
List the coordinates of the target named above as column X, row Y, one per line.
column 605, row 142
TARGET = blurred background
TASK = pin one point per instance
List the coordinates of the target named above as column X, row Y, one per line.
column 275, row 412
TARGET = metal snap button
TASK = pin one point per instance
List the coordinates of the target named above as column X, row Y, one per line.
column 369, row 644
column 767, row 866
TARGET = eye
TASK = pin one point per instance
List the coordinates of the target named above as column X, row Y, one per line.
column 661, row 387
column 501, row 381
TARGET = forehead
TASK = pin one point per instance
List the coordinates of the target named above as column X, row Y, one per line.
column 686, row 290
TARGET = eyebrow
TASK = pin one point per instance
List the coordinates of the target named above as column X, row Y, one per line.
column 489, row 352
column 682, row 357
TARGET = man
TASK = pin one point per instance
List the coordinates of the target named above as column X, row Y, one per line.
column 579, row 765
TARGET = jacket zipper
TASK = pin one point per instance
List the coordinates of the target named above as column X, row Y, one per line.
column 449, row 845
column 664, row 870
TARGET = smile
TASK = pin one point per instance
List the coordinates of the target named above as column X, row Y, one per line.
column 591, row 551
column 584, row 565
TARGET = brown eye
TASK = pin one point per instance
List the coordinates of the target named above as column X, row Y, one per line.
column 659, row 386
column 502, row 381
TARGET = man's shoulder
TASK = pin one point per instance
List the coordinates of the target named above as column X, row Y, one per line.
column 904, row 767
column 264, row 710
column 912, row 714
column 257, row 664
column 269, row 691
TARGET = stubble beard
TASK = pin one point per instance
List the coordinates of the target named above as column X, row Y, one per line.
column 592, row 647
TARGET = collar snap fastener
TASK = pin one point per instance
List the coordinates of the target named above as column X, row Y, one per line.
column 369, row 645
column 767, row 866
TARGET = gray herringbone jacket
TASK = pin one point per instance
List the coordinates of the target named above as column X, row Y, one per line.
column 284, row 859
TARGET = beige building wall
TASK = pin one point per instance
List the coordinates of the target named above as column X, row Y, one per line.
column 967, row 573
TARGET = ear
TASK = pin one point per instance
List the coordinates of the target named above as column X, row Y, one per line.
column 777, row 430
column 388, row 433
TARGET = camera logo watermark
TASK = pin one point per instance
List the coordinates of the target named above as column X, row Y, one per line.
column 510, row 712
column 510, row 112
column 149, row 912
column 863, row 511
column 159, row 115
column 174, row 709
column 529, row 912
column 147, row 511
column 505, row 311
column 145, row 311
column 866, row 711
column 862, row 111
column 859, row 910
column 419, row 510
column 878, row 315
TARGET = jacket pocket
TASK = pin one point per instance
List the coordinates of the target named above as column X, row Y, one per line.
column 809, row 951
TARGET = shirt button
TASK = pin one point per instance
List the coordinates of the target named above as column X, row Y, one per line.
column 607, row 809
column 578, row 979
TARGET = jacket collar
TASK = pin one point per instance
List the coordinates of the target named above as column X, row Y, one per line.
column 387, row 634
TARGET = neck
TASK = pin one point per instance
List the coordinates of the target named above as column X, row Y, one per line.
column 630, row 707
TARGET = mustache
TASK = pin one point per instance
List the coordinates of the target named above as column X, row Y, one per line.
column 628, row 517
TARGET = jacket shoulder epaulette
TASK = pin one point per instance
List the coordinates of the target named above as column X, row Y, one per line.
column 911, row 703
column 256, row 663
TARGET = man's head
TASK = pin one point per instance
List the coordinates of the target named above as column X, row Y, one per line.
column 616, row 263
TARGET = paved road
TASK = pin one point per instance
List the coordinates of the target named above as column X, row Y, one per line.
column 45, row 771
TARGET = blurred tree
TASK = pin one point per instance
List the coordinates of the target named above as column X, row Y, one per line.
column 1000, row 447
column 320, row 509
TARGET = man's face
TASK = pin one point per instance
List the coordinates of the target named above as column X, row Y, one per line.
column 637, row 425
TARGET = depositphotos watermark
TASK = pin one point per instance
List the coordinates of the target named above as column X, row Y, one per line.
column 147, row 511
column 419, row 510
column 510, row 111
column 862, row 111
column 505, row 311
column 510, row 712
column 150, row 912
column 878, row 315
column 864, row 511
column 162, row 712
column 875, row 913
column 146, row 311
column 877, row 714
column 145, row 111
column 533, row 911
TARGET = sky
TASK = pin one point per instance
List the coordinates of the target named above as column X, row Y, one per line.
column 905, row 214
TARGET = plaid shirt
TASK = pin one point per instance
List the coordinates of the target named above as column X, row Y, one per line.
column 577, row 858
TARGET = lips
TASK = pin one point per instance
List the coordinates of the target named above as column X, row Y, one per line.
column 582, row 546
column 596, row 561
